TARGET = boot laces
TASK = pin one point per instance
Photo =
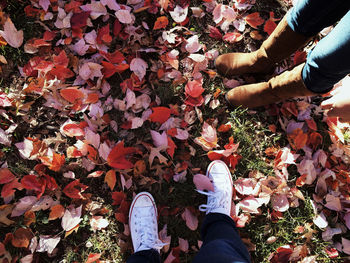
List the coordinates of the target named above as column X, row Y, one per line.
column 220, row 198
column 148, row 232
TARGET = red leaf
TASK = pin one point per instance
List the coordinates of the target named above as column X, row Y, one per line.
column 299, row 57
column 116, row 28
column 116, row 57
column 269, row 26
column 73, row 129
column 103, row 35
column 233, row 37
column 194, row 88
column 194, row 101
column 62, row 72
column 49, row 35
column 116, row 157
column 311, row 124
column 6, row 176
column 282, row 254
column 118, row 197
column 61, row 59
column 214, row 33
column 79, row 20
column 108, row 69
column 32, row 182
column 254, row 20
column 161, row 22
column 71, row 94
column 332, row 252
column 74, row 189
column 9, row 188
column 160, row 114
column 171, row 147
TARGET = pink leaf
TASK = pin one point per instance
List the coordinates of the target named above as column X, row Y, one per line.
column 347, row 220
column 193, row 45
column 71, row 218
column 179, row 14
column 13, row 37
column 138, row 66
column 124, row 16
column 159, row 140
column 183, row 244
column 280, row 202
column 194, row 88
column 190, row 219
column 44, row 4
column 333, row 203
column 203, row 182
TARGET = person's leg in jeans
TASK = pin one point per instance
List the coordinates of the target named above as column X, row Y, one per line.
column 329, row 61
column 309, row 17
column 326, row 63
column 221, row 242
column 144, row 230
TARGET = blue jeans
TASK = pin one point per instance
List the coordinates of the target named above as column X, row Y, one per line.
column 221, row 244
column 329, row 61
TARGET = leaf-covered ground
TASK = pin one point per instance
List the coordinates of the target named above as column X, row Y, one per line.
column 103, row 99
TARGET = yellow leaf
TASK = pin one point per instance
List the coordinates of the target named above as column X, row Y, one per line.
column 111, row 179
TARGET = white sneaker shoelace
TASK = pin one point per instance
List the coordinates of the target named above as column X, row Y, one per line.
column 218, row 201
column 147, row 231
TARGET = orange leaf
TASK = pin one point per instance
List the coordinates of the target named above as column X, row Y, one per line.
column 71, row 94
column 224, row 128
column 297, row 139
column 29, row 218
column 116, row 157
column 315, row 139
column 160, row 114
column 93, row 258
column 55, row 162
column 57, row 211
column 161, row 22
column 256, row 35
column 22, row 237
column 92, row 98
column 111, row 179
column 254, row 20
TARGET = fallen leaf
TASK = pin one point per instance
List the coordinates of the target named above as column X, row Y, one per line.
column 111, row 179
column 71, row 218
column 190, row 219
column 203, row 182
column 57, row 211
column 22, row 237
column 161, row 23
column 254, row 20
column 13, row 37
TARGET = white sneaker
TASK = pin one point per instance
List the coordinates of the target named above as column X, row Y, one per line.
column 143, row 223
column 219, row 201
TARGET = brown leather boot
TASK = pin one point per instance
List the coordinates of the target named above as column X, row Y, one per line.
column 287, row 85
column 279, row 45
